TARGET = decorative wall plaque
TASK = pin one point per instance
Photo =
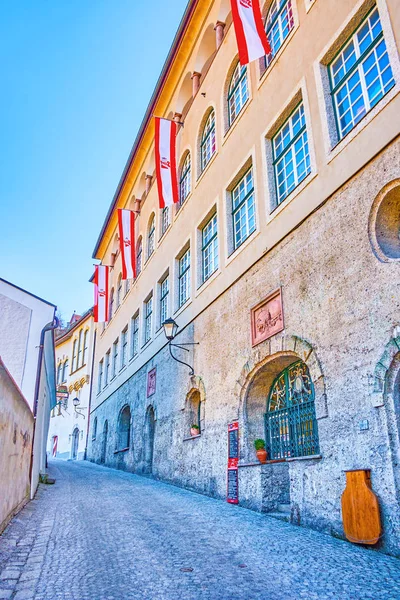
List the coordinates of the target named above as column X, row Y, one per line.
column 267, row 318
column 151, row 382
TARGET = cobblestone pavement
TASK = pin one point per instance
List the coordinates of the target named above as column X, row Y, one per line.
column 101, row 534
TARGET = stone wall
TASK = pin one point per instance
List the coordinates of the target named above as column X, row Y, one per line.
column 16, row 428
column 340, row 307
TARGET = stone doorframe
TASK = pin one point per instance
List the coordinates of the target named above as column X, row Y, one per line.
column 276, row 349
column 196, row 384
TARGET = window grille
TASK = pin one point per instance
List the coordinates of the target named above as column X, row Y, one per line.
column 135, row 335
column 185, row 180
column 164, row 220
column 151, row 238
column 243, row 209
column 208, row 141
column 184, row 278
column 238, row 92
column 360, row 75
column 148, row 313
column 209, row 248
column 115, row 358
column 291, row 157
column 290, row 421
column 164, row 292
column 124, row 347
column 278, row 25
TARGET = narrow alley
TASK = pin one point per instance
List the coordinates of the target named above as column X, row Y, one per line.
column 102, row 534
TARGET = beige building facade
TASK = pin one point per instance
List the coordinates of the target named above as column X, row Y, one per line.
column 281, row 262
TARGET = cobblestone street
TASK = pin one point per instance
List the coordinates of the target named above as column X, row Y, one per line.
column 102, row 534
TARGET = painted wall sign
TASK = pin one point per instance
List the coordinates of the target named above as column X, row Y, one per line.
column 151, row 382
column 232, row 493
column 267, row 318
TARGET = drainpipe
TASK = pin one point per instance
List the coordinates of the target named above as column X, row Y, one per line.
column 50, row 326
column 90, row 394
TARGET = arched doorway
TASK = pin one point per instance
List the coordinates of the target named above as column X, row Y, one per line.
column 104, row 443
column 149, row 440
column 290, row 422
column 75, row 444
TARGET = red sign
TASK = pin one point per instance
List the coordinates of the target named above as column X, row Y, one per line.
column 267, row 318
column 151, row 382
column 232, row 483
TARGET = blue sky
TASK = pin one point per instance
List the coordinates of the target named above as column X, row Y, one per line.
column 77, row 76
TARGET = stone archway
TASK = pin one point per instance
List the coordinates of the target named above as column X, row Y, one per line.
column 262, row 367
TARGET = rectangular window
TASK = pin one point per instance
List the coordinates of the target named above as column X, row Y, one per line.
column 124, row 347
column 360, row 75
column 291, row 157
column 115, row 358
column 107, row 369
column 78, row 362
column 243, row 209
column 209, row 248
column 184, row 278
column 74, row 366
column 164, row 292
column 135, row 335
column 148, row 313
column 164, row 220
column 100, row 376
column 85, row 346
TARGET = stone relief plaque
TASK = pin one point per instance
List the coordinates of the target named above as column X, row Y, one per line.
column 151, row 382
column 267, row 318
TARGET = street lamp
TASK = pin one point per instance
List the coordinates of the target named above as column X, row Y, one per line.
column 170, row 329
column 76, row 403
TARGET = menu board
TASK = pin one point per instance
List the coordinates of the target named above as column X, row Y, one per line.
column 233, row 486
column 232, row 495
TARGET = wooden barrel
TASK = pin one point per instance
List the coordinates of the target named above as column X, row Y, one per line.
column 360, row 509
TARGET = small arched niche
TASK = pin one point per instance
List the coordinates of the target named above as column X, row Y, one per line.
column 384, row 223
column 224, row 13
column 206, row 51
column 185, row 95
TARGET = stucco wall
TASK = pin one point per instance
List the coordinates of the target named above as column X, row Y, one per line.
column 340, row 306
column 16, row 427
column 14, row 331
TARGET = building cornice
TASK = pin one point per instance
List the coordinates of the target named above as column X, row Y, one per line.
column 178, row 56
column 68, row 334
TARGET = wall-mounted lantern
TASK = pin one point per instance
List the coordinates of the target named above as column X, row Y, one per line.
column 170, row 329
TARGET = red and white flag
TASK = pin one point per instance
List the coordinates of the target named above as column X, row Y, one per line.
column 126, row 226
column 101, row 293
column 167, row 179
column 251, row 38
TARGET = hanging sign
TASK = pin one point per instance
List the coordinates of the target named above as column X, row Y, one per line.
column 232, row 495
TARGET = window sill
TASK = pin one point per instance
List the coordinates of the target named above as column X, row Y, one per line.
column 182, row 308
column 192, row 437
column 242, row 247
column 207, row 282
column 204, row 171
column 297, row 190
column 236, row 121
column 122, row 450
column 146, row 344
column 311, row 457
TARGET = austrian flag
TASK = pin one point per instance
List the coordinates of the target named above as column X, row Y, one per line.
column 251, row 38
column 167, row 180
column 101, row 293
column 126, row 226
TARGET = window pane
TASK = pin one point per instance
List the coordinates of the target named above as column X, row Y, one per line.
column 243, row 210
column 210, row 248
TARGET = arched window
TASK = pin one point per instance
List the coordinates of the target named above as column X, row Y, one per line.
column 85, row 346
column 65, row 371
column 111, row 305
column 124, row 428
column 238, row 92
column 94, row 431
column 278, row 25
column 290, row 422
column 127, row 286
column 185, row 179
column 74, row 365
column 151, row 236
column 119, row 290
column 59, row 372
column 164, row 219
column 139, row 257
column 208, row 141
column 79, row 361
